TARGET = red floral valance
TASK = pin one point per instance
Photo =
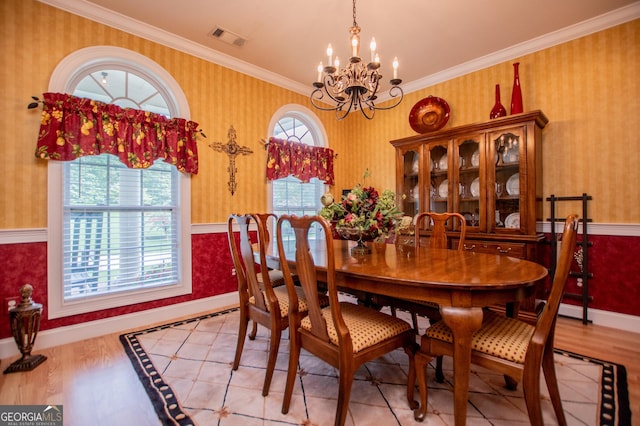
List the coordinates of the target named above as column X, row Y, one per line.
column 285, row 158
column 75, row 127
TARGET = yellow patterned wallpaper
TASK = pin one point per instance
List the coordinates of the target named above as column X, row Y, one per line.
column 588, row 88
column 35, row 37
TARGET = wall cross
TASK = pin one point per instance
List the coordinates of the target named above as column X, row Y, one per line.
column 232, row 149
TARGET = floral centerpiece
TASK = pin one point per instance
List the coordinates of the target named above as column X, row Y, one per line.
column 362, row 215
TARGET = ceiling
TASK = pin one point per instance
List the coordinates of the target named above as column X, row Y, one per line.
column 286, row 39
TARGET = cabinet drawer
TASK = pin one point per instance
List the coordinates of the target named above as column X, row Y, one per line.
column 496, row 247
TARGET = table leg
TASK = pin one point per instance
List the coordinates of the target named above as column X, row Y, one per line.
column 463, row 322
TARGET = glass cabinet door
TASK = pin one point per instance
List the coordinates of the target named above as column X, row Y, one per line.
column 439, row 185
column 410, row 183
column 505, row 147
column 470, row 182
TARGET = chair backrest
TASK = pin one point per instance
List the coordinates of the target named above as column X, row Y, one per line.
column 263, row 219
column 307, row 276
column 242, row 253
column 547, row 319
column 437, row 224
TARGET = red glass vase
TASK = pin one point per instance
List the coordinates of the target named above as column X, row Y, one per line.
column 516, row 94
column 498, row 109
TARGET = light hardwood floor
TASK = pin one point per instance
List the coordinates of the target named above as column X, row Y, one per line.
column 96, row 384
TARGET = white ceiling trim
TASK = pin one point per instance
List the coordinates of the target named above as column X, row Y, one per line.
column 590, row 26
column 116, row 20
column 132, row 26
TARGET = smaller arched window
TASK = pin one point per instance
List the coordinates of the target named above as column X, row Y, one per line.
column 290, row 195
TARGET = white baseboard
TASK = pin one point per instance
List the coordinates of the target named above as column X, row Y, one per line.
column 119, row 324
column 603, row 318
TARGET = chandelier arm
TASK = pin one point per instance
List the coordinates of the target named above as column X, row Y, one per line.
column 341, row 114
column 317, row 95
column 352, row 102
column 368, row 109
column 321, row 90
column 393, row 92
column 375, row 86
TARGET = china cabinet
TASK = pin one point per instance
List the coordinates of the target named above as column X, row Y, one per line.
column 490, row 172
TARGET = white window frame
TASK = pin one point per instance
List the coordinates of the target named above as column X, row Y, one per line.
column 318, row 133
column 63, row 80
column 315, row 126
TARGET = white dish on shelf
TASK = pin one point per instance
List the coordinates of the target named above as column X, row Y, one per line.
column 475, row 187
column 512, row 221
column 416, row 192
column 443, row 162
column 475, row 159
column 443, row 189
column 414, row 165
column 513, row 184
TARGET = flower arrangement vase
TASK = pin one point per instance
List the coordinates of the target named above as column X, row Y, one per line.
column 498, row 109
column 516, row 94
column 360, row 249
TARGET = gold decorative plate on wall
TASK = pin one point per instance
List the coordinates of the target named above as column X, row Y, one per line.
column 429, row 114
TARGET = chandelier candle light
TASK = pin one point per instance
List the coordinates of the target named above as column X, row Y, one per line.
column 355, row 86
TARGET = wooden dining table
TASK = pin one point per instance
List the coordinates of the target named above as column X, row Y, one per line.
column 460, row 282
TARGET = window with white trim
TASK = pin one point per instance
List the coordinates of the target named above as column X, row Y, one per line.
column 290, row 195
column 124, row 233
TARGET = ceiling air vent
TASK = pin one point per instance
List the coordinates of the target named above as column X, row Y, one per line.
column 228, row 37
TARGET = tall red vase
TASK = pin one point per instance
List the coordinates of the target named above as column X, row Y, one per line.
column 516, row 94
column 498, row 109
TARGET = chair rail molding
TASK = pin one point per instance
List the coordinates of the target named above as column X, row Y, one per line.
column 40, row 235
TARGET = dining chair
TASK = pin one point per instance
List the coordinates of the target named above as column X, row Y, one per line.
column 266, row 220
column 260, row 301
column 511, row 346
column 344, row 335
column 436, row 224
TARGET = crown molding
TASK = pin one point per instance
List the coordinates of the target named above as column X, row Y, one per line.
column 581, row 29
column 129, row 25
column 124, row 23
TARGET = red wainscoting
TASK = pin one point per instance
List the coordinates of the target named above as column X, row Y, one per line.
column 613, row 260
column 26, row 263
column 614, row 263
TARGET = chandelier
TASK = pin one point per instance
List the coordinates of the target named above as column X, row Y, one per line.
column 356, row 85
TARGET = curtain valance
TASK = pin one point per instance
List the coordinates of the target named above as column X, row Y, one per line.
column 285, row 158
column 74, row 127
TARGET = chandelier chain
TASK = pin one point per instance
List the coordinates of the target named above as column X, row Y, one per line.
column 355, row 24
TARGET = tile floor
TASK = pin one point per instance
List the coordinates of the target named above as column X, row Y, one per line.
column 195, row 359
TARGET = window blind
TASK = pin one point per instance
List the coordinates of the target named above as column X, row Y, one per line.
column 120, row 227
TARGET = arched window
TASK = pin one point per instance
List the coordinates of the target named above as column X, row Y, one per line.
column 290, row 196
column 120, row 236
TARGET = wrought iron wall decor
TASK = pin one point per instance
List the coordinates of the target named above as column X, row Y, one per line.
column 232, row 149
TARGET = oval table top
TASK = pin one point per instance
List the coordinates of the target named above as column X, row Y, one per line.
column 428, row 274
